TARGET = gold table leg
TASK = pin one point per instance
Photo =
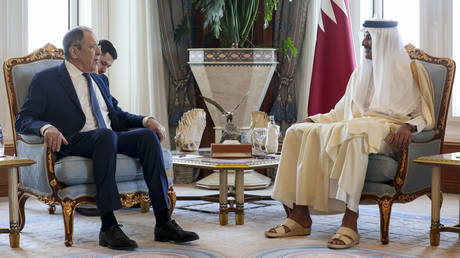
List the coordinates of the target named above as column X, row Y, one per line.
column 223, row 197
column 435, row 205
column 239, row 196
column 13, row 207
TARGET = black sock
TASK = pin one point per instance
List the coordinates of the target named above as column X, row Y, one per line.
column 108, row 220
column 162, row 217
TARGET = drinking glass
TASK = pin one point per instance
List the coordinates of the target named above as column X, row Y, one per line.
column 259, row 137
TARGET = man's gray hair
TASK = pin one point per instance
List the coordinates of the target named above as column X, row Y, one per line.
column 74, row 37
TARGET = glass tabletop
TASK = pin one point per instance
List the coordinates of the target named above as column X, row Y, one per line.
column 202, row 159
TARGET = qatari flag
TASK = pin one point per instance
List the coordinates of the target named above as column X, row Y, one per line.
column 334, row 59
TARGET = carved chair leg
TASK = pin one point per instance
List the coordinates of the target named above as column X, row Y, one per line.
column 68, row 211
column 145, row 206
column 385, row 212
column 51, row 209
column 287, row 210
column 171, row 200
column 22, row 215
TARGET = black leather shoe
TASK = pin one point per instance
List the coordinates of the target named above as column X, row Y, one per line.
column 173, row 232
column 114, row 238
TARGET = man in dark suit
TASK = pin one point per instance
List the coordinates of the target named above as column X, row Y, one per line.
column 77, row 118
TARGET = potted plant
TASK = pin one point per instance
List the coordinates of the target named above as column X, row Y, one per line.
column 236, row 76
column 231, row 21
column 227, row 74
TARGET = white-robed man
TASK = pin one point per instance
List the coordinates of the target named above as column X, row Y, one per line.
column 324, row 158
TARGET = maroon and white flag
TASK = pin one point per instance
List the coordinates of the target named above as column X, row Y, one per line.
column 334, row 59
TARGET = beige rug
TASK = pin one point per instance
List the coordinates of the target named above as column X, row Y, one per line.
column 43, row 235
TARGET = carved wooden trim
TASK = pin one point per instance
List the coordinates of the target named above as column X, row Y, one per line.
column 52, row 180
column 232, row 55
column 171, row 199
column 402, row 170
column 68, row 211
column 385, row 205
column 404, row 198
column 130, row 199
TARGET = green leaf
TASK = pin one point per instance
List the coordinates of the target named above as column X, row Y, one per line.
column 231, row 21
column 269, row 7
column 213, row 11
column 285, row 46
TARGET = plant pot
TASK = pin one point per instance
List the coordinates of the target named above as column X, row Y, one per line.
column 225, row 75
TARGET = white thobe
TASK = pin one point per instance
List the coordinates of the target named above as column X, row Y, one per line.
column 327, row 160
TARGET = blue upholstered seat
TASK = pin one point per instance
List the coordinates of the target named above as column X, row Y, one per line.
column 74, row 170
column 381, row 168
column 77, row 174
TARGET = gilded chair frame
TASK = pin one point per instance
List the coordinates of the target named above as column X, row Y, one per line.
column 68, row 205
column 385, row 202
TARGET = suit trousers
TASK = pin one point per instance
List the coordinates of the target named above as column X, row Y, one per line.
column 102, row 146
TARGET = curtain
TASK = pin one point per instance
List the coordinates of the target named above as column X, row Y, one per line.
column 288, row 21
column 181, row 95
column 137, row 78
column 305, row 66
column 12, row 44
column 151, row 91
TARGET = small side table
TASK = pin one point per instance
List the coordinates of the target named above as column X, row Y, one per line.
column 12, row 163
column 438, row 161
column 223, row 165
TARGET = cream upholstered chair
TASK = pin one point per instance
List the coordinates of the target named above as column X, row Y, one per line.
column 397, row 179
column 68, row 181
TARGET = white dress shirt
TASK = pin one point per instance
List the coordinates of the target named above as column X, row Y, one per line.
column 81, row 88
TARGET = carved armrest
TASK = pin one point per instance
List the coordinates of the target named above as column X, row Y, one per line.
column 424, row 143
column 31, row 138
column 38, row 178
column 424, row 136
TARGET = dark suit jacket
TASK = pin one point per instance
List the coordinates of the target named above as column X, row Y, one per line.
column 52, row 99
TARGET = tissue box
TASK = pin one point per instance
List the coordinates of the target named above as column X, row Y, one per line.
column 232, row 151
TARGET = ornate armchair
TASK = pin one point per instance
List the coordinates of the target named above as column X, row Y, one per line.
column 397, row 179
column 69, row 181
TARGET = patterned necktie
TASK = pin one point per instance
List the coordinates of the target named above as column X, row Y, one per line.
column 94, row 104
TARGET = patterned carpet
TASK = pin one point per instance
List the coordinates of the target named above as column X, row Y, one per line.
column 43, row 235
